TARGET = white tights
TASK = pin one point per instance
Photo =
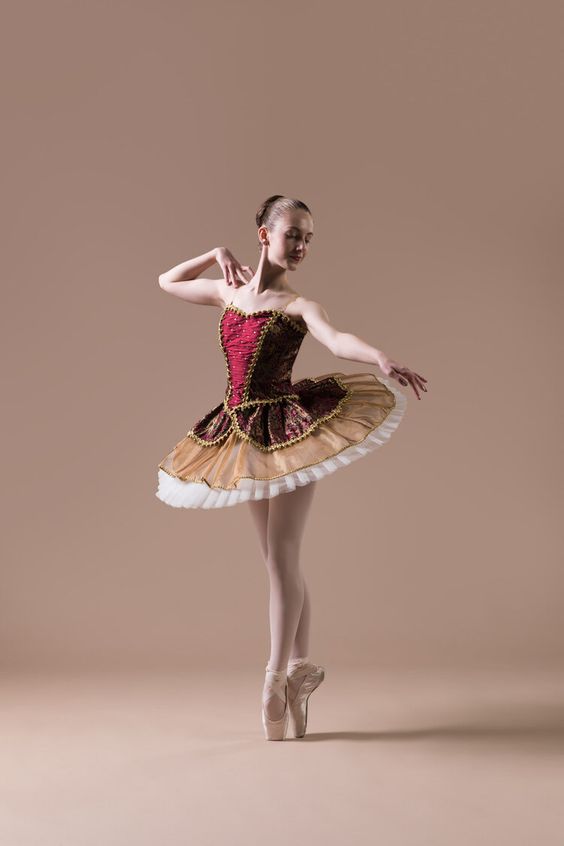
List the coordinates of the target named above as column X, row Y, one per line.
column 280, row 523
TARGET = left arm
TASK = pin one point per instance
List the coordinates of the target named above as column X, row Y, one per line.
column 351, row 347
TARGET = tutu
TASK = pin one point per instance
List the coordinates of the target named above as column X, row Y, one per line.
column 269, row 435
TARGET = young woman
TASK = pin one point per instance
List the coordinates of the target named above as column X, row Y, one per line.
column 270, row 440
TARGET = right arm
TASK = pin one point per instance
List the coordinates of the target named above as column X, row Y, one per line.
column 183, row 280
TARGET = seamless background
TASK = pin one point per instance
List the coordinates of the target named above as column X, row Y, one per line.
column 427, row 139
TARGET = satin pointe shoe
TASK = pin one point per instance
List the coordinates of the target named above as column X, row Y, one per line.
column 302, row 681
column 275, row 686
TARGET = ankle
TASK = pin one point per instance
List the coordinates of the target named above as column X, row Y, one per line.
column 274, row 693
column 275, row 681
column 274, row 670
column 297, row 663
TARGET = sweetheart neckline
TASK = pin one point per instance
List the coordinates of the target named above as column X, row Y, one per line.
column 263, row 311
column 258, row 310
column 249, row 313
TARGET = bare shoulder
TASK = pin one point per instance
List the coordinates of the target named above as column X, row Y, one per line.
column 225, row 292
column 306, row 308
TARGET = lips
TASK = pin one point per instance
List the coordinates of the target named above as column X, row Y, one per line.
column 296, row 258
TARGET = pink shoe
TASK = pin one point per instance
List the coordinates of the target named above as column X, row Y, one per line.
column 302, row 681
column 275, row 729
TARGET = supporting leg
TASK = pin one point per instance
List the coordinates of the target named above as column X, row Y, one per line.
column 287, row 519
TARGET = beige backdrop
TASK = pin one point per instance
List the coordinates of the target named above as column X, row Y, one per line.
column 427, row 139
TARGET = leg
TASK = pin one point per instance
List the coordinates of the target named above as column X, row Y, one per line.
column 259, row 511
column 300, row 647
column 287, row 517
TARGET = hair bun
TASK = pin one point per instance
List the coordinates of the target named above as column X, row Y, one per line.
column 265, row 207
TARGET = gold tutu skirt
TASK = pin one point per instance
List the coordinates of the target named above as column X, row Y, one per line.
column 194, row 475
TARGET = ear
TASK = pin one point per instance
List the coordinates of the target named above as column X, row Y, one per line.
column 262, row 234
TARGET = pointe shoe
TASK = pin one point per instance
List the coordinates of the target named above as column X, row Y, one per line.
column 275, row 729
column 302, row 681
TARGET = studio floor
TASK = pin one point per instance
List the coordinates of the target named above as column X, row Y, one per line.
column 393, row 758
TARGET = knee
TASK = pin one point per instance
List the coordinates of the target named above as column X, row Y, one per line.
column 283, row 563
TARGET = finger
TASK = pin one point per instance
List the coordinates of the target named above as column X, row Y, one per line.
column 420, row 377
column 413, row 385
column 406, row 373
column 420, row 380
column 397, row 375
column 413, row 378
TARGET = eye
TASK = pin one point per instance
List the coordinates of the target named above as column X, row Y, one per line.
column 292, row 235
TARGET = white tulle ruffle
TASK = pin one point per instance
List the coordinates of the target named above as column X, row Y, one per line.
column 180, row 494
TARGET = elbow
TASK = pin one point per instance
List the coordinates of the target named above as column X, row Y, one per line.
column 336, row 347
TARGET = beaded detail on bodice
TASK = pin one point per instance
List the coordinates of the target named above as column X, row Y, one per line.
column 259, row 348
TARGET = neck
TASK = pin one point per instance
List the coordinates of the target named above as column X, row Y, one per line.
column 268, row 277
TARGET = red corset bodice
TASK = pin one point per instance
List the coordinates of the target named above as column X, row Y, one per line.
column 260, row 348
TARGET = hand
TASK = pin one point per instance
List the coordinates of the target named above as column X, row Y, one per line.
column 235, row 273
column 403, row 374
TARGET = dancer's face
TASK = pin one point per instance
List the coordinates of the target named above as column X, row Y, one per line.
column 290, row 237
